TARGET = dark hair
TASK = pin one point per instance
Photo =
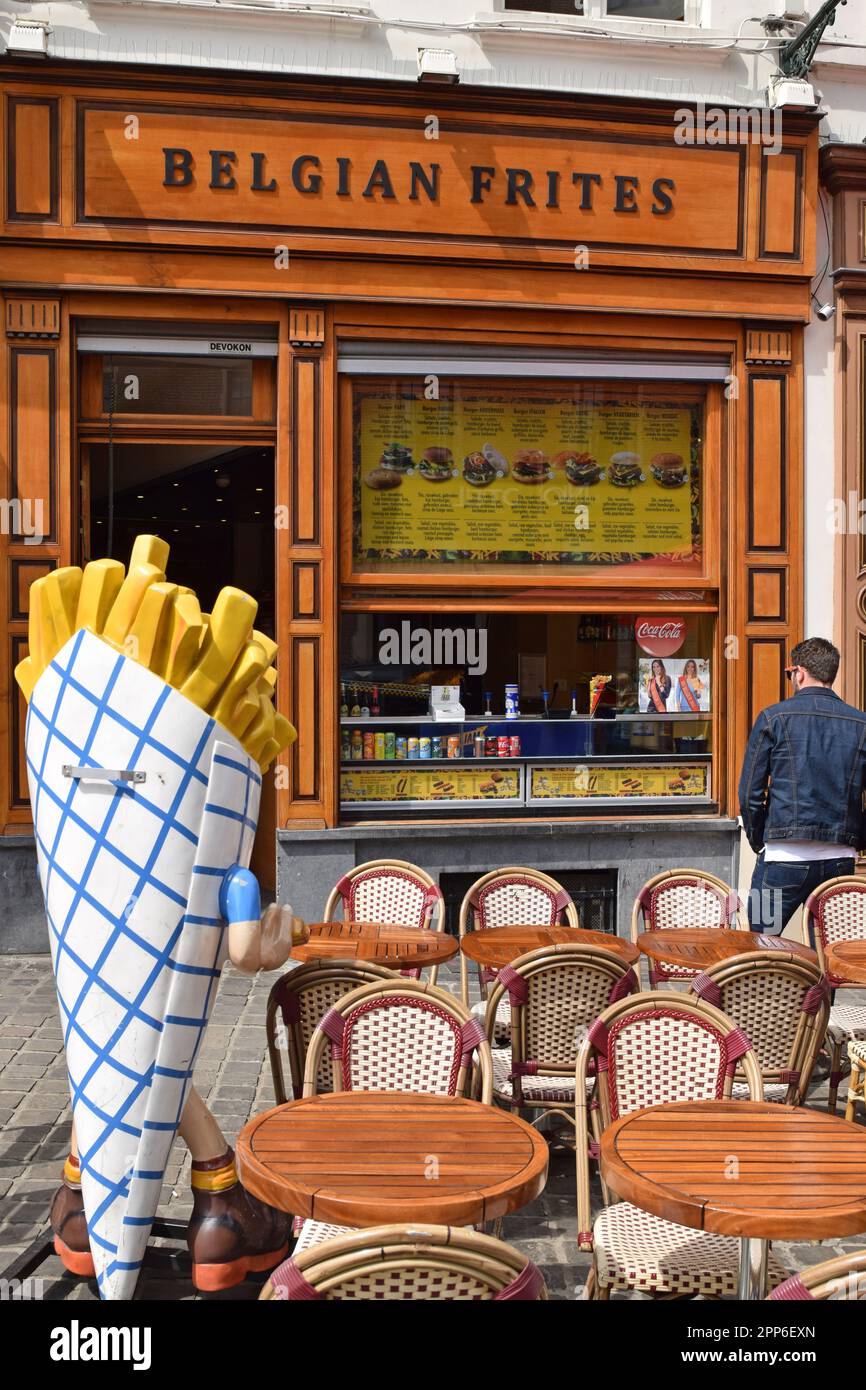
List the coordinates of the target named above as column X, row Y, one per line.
column 656, row 661
column 819, row 657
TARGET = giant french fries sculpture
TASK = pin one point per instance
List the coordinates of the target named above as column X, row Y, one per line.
column 148, row 729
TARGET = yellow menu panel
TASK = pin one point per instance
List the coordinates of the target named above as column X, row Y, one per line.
column 596, row 780
column 429, row 784
column 495, row 478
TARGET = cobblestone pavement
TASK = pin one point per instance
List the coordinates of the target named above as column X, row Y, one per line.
column 233, row 1075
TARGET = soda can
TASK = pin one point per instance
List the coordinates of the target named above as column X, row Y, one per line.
column 369, row 746
column 515, row 745
column 492, row 748
column 401, row 750
column 454, row 746
column 503, row 746
column 379, row 744
column 437, row 750
column 412, row 747
column 512, row 704
column 390, row 746
column 424, row 747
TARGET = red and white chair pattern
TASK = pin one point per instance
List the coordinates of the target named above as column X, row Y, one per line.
column 654, row 1049
column 407, row 1262
column 782, row 1003
column 684, row 898
column 389, row 891
column 397, row 1036
column 837, row 912
column 554, row 995
column 511, row 897
column 297, row 1001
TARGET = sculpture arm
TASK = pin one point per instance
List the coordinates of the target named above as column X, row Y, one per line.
column 256, row 941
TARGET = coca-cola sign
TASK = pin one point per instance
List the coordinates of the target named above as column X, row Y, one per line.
column 660, row 636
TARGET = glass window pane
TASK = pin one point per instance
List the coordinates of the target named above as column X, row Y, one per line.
column 177, row 386
column 503, row 473
column 647, row 9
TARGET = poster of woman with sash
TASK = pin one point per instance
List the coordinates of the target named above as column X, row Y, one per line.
column 658, row 687
column 679, row 686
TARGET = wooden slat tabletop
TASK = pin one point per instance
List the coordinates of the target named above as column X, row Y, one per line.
column 847, row 961
column 702, row 947
column 394, row 946
column 741, row 1168
column 498, row 946
column 360, row 1158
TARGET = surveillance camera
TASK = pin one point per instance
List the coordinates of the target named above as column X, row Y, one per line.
column 825, row 311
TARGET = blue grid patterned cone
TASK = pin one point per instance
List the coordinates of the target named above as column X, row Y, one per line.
column 131, row 875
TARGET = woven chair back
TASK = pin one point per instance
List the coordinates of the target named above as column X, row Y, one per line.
column 836, row 912
column 389, row 891
column 843, row 1279
column 781, row 1002
column 298, row 1001
column 400, row 1036
column 402, row 1262
column 684, row 898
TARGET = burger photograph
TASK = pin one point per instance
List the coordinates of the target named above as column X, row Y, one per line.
column 478, row 471
column 436, row 464
column 669, row 470
column 581, row 469
column 397, row 457
column 624, row 470
column 530, row 466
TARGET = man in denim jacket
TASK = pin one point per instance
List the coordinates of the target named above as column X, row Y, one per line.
column 802, row 788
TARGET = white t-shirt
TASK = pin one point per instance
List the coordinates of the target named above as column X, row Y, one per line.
column 796, row 851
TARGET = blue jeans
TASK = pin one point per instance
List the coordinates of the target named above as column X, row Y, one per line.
column 779, row 888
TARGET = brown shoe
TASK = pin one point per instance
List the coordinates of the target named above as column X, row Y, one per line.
column 69, row 1223
column 231, row 1234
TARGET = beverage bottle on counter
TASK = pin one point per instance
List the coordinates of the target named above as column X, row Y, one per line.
column 480, row 744
column 344, row 708
column 365, row 711
column 345, row 745
column 374, row 703
column 356, row 710
column 379, row 745
column 574, row 714
column 369, row 746
column 357, row 745
column 545, row 695
column 488, row 712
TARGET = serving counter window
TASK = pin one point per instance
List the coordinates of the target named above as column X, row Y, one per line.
column 566, row 712
column 487, row 475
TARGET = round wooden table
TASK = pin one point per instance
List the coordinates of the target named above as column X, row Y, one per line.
column 741, row 1168
column 363, row 1158
column 847, row 961
column 396, row 947
column 495, row 947
column 700, row 948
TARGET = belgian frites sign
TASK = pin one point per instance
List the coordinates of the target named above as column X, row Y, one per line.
column 520, row 182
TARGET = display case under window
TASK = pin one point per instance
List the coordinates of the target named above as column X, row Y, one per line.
column 563, row 713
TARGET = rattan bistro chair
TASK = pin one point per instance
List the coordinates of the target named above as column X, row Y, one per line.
column 408, row 1262
column 842, row 1278
column 653, row 1049
column 554, row 994
column 837, row 912
column 389, row 891
column 298, row 1000
column 684, row 898
column 782, row 1003
column 511, row 897
column 397, row 1035
column 857, row 1079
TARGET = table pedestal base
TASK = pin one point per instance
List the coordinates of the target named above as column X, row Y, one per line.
column 753, row 1270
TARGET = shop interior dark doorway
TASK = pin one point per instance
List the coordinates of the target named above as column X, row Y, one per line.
column 212, row 503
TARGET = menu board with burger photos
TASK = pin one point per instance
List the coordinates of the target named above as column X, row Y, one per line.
column 488, row 473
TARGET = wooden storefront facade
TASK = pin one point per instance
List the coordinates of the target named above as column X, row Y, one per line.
column 320, row 217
